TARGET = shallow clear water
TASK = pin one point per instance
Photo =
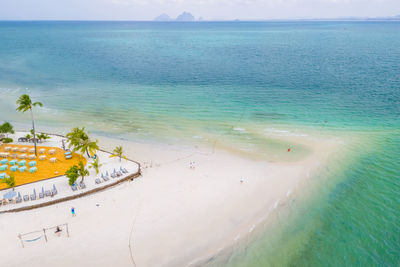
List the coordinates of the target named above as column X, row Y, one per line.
column 236, row 83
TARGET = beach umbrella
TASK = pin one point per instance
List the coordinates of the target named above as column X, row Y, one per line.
column 102, row 176
column 34, row 191
column 120, row 168
column 54, row 187
column 19, row 194
column 106, row 173
column 114, row 170
column 10, row 195
column 42, row 190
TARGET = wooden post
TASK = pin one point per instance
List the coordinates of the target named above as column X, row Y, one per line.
column 22, row 242
column 67, row 230
column 45, row 237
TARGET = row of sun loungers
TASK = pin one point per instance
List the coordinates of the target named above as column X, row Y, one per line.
column 113, row 174
column 14, row 156
column 31, row 150
column 42, row 194
column 14, row 166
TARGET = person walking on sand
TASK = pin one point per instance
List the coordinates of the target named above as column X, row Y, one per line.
column 73, row 212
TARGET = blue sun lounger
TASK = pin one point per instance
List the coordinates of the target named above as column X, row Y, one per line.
column 32, row 163
column 54, row 190
column 13, row 168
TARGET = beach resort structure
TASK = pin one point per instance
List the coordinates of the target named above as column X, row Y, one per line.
column 40, row 180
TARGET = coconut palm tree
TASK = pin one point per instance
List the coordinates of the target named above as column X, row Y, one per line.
column 89, row 146
column 80, row 141
column 82, row 171
column 95, row 165
column 118, row 152
column 76, row 136
column 24, row 103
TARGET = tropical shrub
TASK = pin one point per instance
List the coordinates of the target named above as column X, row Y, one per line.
column 10, row 181
column 6, row 128
column 72, row 174
column 7, row 140
column 43, row 136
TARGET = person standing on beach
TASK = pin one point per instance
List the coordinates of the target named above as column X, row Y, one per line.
column 73, row 212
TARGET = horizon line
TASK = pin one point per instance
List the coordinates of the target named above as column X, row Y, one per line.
column 395, row 18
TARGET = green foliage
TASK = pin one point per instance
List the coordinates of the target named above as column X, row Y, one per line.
column 24, row 103
column 6, row 128
column 10, row 181
column 28, row 136
column 95, row 165
column 7, row 140
column 118, row 152
column 79, row 141
column 72, row 174
column 43, row 136
column 82, row 171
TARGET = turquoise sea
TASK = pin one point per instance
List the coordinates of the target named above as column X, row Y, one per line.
column 236, row 83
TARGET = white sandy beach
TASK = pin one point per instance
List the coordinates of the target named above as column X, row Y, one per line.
column 172, row 216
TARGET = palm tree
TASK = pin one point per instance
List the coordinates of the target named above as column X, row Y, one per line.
column 82, row 171
column 95, row 165
column 80, row 141
column 118, row 152
column 89, row 146
column 24, row 103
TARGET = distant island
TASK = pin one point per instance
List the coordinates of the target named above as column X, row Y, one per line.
column 185, row 16
column 163, row 17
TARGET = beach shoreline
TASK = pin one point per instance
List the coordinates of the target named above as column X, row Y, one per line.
column 171, row 206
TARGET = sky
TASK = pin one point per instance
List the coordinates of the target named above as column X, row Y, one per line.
column 208, row 9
